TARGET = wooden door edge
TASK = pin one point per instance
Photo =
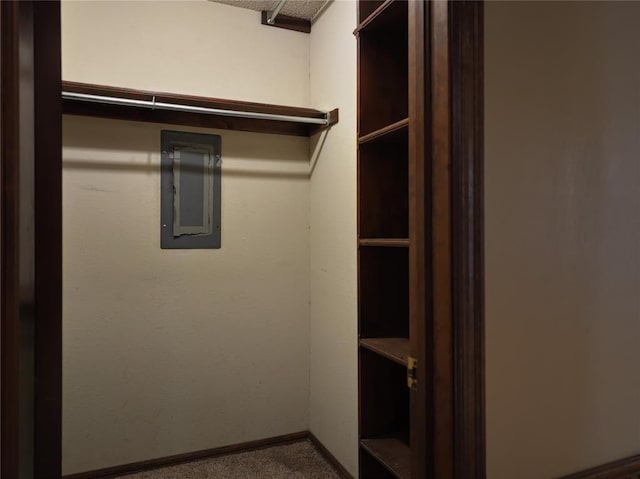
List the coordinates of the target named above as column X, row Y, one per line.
column 9, row 238
column 467, row 119
column 47, row 85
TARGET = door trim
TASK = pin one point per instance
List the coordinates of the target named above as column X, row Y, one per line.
column 419, row 238
column 467, row 120
column 48, row 238
column 31, row 240
column 9, row 238
column 439, row 340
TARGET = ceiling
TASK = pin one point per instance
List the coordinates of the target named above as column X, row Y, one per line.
column 294, row 8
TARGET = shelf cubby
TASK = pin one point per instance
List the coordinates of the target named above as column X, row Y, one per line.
column 382, row 16
column 384, row 413
column 367, row 8
column 384, row 80
column 384, row 292
column 384, row 186
column 385, row 408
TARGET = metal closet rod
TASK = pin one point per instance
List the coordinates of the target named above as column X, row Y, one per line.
column 154, row 105
column 272, row 17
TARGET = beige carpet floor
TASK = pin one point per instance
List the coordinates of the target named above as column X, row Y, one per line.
column 300, row 460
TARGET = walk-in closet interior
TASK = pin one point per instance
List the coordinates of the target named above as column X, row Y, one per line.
column 178, row 350
column 311, row 239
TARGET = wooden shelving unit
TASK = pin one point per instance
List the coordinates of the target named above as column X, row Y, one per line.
column 419, row 104
column 383, row 239
column 78, row 106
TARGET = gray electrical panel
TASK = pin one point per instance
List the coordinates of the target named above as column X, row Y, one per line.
column 190, row 190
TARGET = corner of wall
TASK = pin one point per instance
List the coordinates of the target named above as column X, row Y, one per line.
column 333, row 318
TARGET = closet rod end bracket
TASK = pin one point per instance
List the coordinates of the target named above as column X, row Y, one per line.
column 331, row 119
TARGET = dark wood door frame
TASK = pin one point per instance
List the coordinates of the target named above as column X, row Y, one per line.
column 30, row 240
column 452, row 87
column 446, row 76
column 466, row 70
column 48, row 244
column 9, row 239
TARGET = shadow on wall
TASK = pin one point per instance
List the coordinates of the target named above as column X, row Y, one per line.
column 315, row 149
column 273, row 156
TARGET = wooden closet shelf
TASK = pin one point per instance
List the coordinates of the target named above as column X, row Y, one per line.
column 387, row 13
column 96, row 100
column 388, row 242
column 392, row 453
column 385, row 132
column 395, row 349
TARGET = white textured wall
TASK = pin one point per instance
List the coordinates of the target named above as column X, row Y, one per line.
column 186, row 46
column 172, row 351
column 562, row 236
column 333, row 399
